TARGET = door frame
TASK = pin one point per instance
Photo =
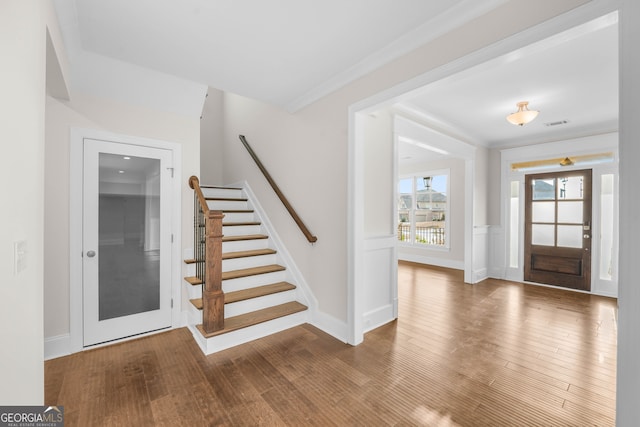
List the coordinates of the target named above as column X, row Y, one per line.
column 77, row 136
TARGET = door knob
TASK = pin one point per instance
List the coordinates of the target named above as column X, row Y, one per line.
column 586, row 236
column 91, row 254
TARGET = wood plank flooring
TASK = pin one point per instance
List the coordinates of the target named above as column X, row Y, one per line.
column 493, row 354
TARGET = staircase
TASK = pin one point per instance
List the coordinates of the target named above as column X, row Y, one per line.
column 260, row 296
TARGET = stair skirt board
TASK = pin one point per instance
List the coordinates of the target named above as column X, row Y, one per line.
column 245, row 335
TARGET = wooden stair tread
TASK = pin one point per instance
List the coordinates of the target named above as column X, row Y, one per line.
column 236, row 274
column 193, row 280
column 263, row 269
column 244, row 237
column 245, row 294
column 246, row 254
column 190, row 261
column 238, row 224
column 255, row 317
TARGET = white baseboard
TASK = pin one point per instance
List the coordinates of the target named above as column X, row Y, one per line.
column 420, row 259
column 329, row 324
column 57, row 346
column 378, row 317
column 480, row 274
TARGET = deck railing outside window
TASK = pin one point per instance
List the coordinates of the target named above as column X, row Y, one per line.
column 426, row 235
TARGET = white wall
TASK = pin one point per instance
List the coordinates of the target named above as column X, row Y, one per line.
column 454, row 257
column 307, row 159
column 493, row 187
column 628, row 381
column 211, row 136
column 379, row 173
column 99, row 114
column 481, row 187
column 23, row 45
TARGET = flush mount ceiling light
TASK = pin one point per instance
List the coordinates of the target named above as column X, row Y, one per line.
column 523, row 115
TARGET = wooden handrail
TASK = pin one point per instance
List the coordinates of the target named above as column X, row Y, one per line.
column 212, row 294
column 310, row 237
column 194, row 184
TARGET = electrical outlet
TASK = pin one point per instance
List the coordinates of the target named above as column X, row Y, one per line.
column 19, row 256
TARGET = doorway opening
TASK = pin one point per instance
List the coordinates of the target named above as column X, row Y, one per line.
column 485, row 233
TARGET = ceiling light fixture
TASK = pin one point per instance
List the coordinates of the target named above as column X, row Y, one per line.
column 523, row 115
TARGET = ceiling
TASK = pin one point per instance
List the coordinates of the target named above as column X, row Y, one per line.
column 291, row 52
column 284, row 52
column 571, row 78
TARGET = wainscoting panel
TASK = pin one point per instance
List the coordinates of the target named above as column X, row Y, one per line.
column 381, row 282
column 480, row 253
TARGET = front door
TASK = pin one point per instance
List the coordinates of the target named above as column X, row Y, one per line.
column 126, row 240
column 558, row 229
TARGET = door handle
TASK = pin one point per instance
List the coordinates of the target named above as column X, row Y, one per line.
column 586, row 236
column 91, row 254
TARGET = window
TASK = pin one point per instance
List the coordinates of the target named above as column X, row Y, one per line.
column 514, row 224
column 423, row 209
column 607, row 219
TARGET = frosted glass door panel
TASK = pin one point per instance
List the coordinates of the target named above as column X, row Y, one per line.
column 570, row 236
column 570, row 212
column 543, row 212
column 543, row 235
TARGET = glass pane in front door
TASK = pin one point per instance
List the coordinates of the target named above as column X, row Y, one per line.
column 128, row 233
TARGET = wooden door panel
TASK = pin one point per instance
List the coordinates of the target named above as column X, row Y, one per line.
column 553, row 264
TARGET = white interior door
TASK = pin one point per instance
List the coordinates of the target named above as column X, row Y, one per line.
column 126, row 240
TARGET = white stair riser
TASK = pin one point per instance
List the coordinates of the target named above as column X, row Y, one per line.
column 248, row 262
column 194, row 316
column 221, row 205
column 241, row 230
column 194, row 291
column 244, row 245
column 253, row 281
column 241, row 336
column 242, row 307
column 234, row 193
column 239, row 217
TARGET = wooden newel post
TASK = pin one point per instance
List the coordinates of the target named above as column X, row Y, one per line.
column 212, row 294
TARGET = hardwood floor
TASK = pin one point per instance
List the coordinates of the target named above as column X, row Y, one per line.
column 496, row 354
